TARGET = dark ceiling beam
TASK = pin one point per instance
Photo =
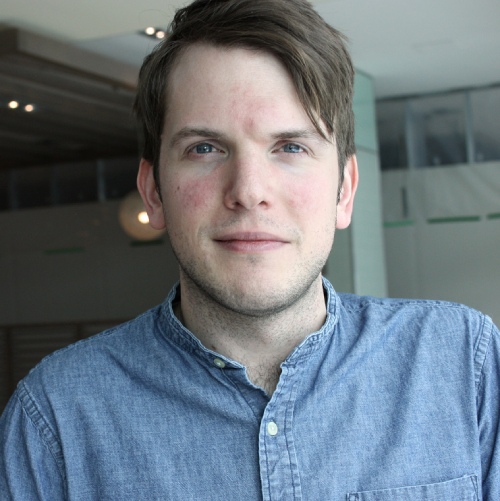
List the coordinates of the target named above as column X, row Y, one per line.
column 26, row 86
column 38, row 47
column 83, row 103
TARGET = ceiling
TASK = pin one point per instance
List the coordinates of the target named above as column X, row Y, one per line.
column 61, row 104
column 408, row 47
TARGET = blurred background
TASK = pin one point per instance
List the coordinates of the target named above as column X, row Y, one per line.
column 76, row 255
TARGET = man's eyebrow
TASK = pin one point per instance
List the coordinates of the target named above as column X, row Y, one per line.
column 204, row 132
column 308, row 133
column 188, row 132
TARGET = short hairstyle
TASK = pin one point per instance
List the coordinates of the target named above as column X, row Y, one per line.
column 313, row 53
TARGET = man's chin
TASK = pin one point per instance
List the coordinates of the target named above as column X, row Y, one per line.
column 255, row 308
column 256, row 297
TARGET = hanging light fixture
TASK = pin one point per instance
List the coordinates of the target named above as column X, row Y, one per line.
column 134, row 218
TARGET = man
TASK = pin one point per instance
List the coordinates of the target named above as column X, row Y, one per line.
column 255, row 380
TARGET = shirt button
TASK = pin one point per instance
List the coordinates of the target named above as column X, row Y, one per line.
column 219, row 363
column 272, row 428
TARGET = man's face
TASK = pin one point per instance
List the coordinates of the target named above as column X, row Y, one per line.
column 249, row 187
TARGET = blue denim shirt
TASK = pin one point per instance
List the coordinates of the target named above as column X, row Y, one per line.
column 390, row 400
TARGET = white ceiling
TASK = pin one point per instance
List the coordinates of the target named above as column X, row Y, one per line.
column 407, row 46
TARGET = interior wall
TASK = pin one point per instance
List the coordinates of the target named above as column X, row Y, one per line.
column 357, row 262
column 442, row 234
column 75, row 263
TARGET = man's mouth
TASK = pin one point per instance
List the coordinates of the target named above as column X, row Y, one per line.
column 251, row 241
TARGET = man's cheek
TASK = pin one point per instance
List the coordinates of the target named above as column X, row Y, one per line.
column 194, row 195
column 308, row 198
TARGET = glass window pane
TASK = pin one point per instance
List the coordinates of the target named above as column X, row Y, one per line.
column 438, row 130
column 486, row 123
column 391, row 134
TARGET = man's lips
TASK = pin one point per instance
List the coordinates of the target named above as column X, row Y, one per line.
column 250, row 241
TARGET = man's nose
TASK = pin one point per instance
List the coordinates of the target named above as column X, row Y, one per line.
column 248, row 182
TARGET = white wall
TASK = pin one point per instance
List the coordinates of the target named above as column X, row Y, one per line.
column 447, row 244
column 357, row 262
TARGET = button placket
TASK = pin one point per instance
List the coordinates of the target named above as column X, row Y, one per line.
column 279, row 468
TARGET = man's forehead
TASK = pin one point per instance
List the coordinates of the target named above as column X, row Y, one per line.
column 214, row 65
column 206, row 70
column 197, row 52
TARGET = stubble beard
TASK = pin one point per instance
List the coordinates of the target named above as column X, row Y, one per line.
column 206, row 288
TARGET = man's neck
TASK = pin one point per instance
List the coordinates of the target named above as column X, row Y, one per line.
column 262, row 343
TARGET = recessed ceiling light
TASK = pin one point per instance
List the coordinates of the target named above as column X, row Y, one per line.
column 29, row 108
column 151, row 31
column 13, row 105
column 143, row 217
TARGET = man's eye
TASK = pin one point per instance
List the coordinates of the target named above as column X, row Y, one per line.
column 204, row 148
column 292, row 148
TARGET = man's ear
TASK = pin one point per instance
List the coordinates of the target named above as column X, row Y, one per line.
column 147, row 188
column 348, row 190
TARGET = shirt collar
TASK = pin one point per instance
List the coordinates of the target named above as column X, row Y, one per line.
column 184, row 338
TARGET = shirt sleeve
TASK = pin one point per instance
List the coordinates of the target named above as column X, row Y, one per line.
column 28, row 468
column 489, row 411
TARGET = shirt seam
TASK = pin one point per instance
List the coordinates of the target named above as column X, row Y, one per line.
column 482, row 349
column 47, row 435
column 395, row 305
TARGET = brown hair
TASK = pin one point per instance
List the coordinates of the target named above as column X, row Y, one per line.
column 314, row 54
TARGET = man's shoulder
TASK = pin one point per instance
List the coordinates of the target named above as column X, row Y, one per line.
column 416, row 315
column 429, row 330
column 81, row 363
column 353, row 302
